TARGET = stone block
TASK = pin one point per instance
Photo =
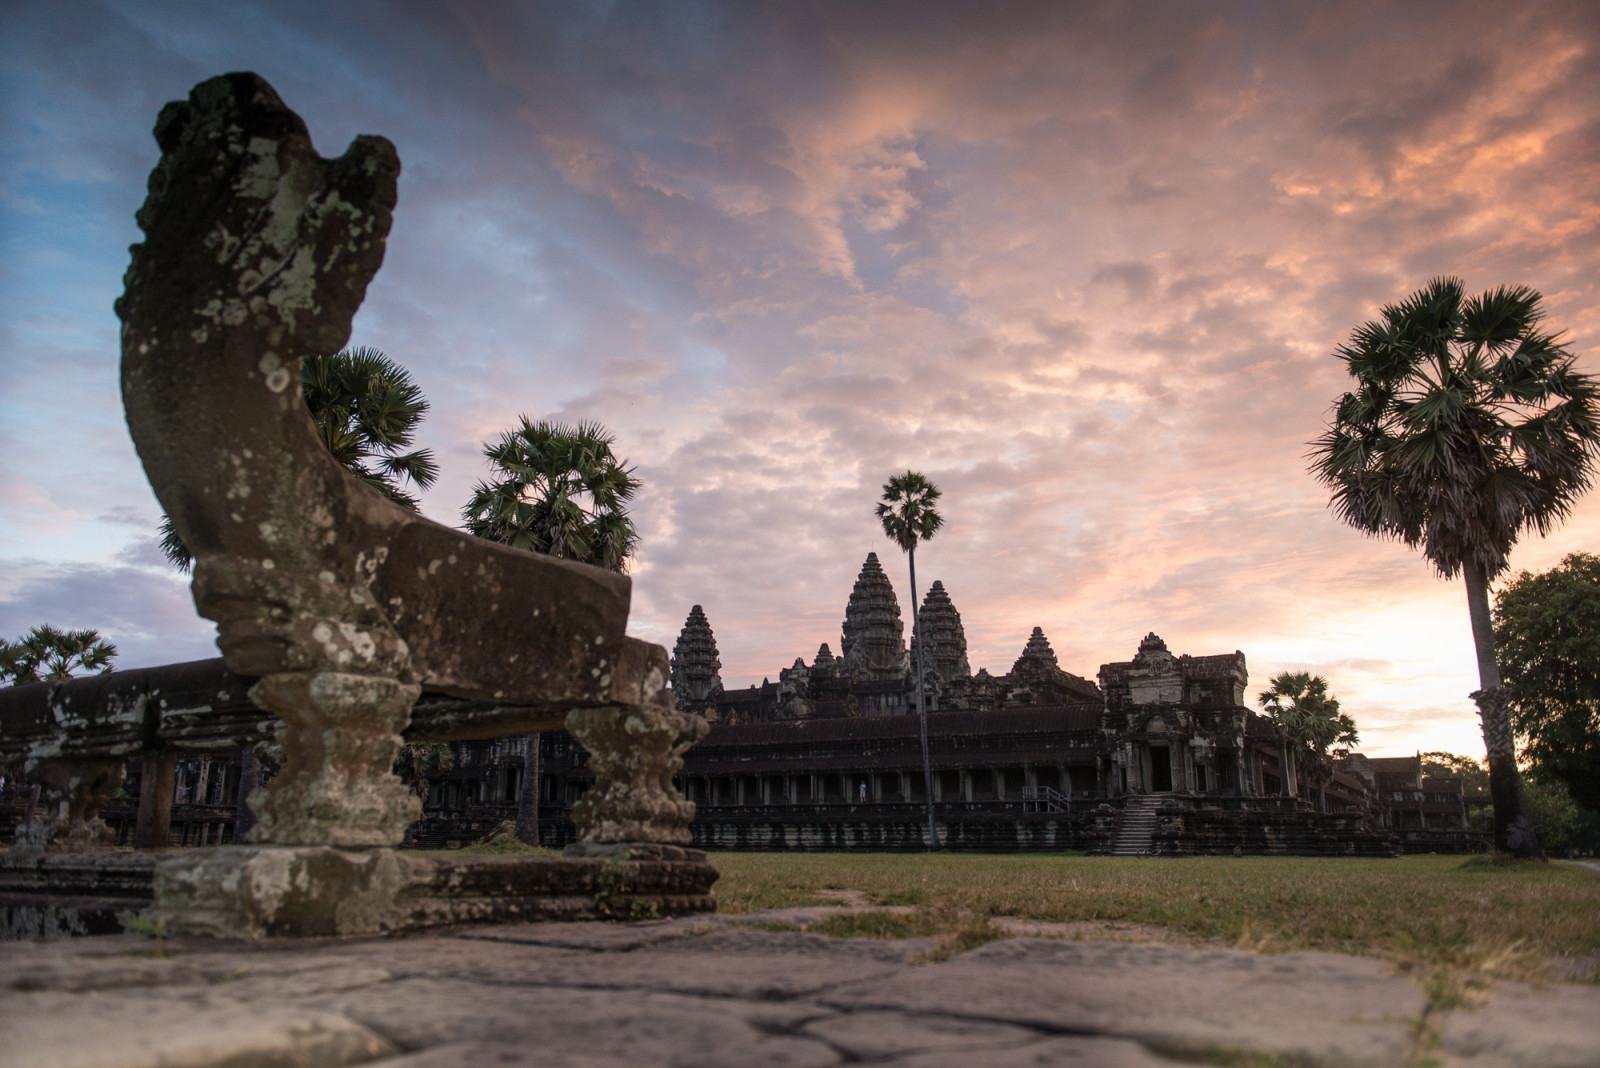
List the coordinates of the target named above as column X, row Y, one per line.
column 97, row 1030
column 1313, row 1007
column 263, row 891
column 1554, row 1026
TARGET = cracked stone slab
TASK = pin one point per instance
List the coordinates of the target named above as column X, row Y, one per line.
column 599, row 937
column 54, row 1029
column 1321, row 1008
column 1551, row 1026
column 731, row 963
column 613, row 937
column 489, row 1054
column 733, row 995
column 561, row 1025
column 1069, row 1051
column 69, row 971
column 870, row 1036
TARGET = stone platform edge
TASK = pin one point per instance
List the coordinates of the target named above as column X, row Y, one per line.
column 256, row 892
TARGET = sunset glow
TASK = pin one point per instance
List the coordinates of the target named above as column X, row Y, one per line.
column 1083, row 265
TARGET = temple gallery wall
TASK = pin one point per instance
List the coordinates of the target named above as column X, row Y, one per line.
column 1160, row 755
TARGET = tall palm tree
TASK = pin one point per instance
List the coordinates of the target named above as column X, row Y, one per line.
column 1308, row 722
column 908, row 516
column 560, row 490
column 1467, row 426
column 50, row 654
column 366, row 409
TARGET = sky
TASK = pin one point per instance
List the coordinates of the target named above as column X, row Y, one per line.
column 1083, row 265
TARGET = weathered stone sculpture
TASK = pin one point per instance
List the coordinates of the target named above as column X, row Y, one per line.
column 873, row 648
column 258, row 253
column 695, row 667
column 71, row 794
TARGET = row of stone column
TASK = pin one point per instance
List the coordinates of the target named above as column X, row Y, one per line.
column 879, row 786
column 158, row 789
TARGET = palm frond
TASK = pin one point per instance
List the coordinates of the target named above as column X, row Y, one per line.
column 1467, row 425
column 558, row 489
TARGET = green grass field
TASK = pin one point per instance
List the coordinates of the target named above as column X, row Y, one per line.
column 1456, row 922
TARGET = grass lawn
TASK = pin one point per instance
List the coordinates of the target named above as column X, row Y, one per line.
column 1455, row 922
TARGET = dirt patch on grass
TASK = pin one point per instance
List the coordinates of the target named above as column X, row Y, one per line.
column 1099, row 931
column 855, row 899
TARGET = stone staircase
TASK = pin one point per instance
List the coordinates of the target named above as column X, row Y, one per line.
column 1136, row 827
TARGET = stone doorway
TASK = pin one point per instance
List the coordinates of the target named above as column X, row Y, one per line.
column 1160, row 769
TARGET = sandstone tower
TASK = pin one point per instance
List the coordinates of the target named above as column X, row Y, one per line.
column 1037, row 678
column 945, row 654
column 695, row 666
column 873, row 648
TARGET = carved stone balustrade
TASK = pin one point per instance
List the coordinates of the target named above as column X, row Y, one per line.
column 342, row 605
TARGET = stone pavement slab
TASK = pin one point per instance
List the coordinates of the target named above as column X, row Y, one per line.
column 1317, row 1007
column 868, row 1036
column 710, row 994
column 176, row 1029
column 625, row 936
column 1526, row 1025
column 557, row 1024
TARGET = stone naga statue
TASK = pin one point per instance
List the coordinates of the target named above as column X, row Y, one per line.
column 257, row 253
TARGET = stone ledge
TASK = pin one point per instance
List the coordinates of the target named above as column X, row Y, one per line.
column 269, row 891
column 72, row 894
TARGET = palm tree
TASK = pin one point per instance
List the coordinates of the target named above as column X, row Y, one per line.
column 1310, row 722
column 908, row 516
column 366, row 409
column 50, row 654
column 1467, row 426
column 561, row 491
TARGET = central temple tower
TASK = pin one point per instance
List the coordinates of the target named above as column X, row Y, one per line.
column 874, row 649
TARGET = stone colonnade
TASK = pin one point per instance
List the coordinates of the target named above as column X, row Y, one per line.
column 953, row 785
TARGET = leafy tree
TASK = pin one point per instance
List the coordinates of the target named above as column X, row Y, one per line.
column 1474, row 785
column 49, row 654
column 366, row 409
column 1441, row 765
column 1557, row 819
column 559, row 490
column 908, row 516
column 1308, row 720
column 1468, row 425
column 1547, row 636
column 418, row 764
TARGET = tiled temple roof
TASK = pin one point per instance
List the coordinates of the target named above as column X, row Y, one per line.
column 1039, row 719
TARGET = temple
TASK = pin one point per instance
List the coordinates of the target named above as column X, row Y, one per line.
column 874, row 673
column 1161, row 757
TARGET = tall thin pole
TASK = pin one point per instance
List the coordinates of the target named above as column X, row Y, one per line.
column 919, row 640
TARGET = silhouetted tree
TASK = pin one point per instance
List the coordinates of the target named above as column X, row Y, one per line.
column 560, row 490
column 49, row 653
column 1467, row 426
column 908, row 516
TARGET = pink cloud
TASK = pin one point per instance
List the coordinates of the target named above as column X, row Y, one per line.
column 1082, row 264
